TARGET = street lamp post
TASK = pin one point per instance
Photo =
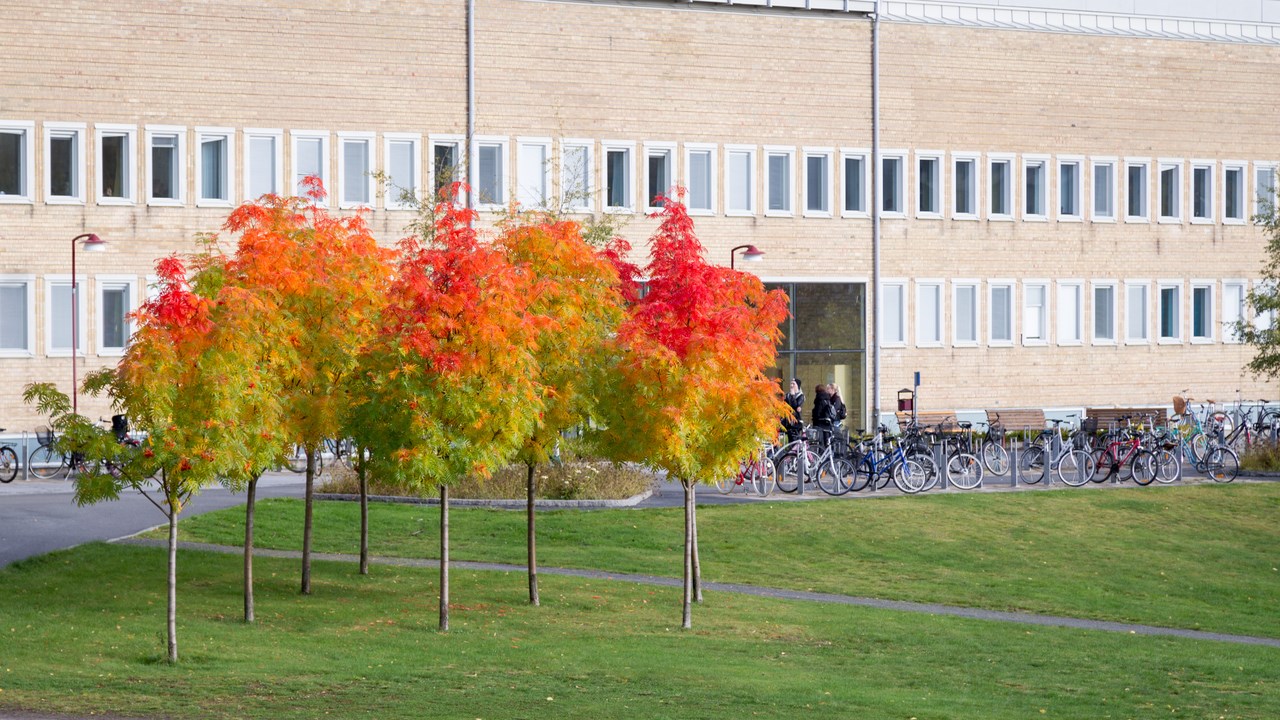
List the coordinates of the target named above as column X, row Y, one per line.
column 751, row 254
column 92, row 243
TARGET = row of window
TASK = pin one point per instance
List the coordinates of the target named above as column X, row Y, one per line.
column 1030, row 187
column 1065, row 312
column 116, row 297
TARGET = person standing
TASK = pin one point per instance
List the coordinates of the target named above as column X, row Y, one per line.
column 792, row 424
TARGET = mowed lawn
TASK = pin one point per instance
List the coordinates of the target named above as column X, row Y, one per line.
column 1199, row 557
column 83, row 633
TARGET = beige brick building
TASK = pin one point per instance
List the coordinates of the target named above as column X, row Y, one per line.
column 1066, row 191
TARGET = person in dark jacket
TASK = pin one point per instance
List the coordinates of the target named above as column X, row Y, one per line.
column 792, row 425
column 838, row 410
column 823, row 415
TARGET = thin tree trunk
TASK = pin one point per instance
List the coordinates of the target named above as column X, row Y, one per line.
column 249, row 501
column 364, row 511
column 173, row 582
column 533, row 544
column 697, row 561
column 444, row 558
column 306, row 522
column 687, row 618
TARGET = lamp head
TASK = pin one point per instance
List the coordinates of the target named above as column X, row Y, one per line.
column 93, row 243
column 752, row 254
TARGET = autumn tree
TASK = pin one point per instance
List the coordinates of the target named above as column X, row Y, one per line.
column 690, row 392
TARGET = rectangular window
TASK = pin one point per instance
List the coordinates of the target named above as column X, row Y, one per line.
column 659, row 173
column 533, row 172
column 893, row 183
column 1069, row 189
column 1202, row 312
column 928, row 314
column 15, row 316
column 817, row 182
column 403, row 167
column 929, row 185
column 1035, row 171
column 893, row 318
column 490, row 155
column 58, row 308
column 1233, row 299
column 1136, row 191
column 17, row 162
column 1136, row 313
column 1170, row 312
column 700, row 177
column 575, row 175
column 1104, row 190
column 116, row 295
column 777, row 180
column 445, row 165
column 1202, row 191
column 1264, row 188
column 618, row 173
column 64, row 163
column 214, row 168
column 1001, row 170
column 355, row 170
column 263, row 163
column 1001, row 315
column 310, row 159
column 115, row 161
column 1035, row 313
column 965, row 170
column 740, row 190
column 166, row 165
column 965, row 330
column 1171, row 191
column 1233, row 193
column 854, row 178
column 1070, row 299
column 1104, row 314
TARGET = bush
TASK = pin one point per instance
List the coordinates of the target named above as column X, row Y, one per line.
column 576, row 480
column 1262, row 456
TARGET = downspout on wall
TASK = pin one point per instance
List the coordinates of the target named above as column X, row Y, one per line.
column 471, row 107
column 876, row 205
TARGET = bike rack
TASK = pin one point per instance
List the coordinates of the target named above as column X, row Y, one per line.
column 26, row 476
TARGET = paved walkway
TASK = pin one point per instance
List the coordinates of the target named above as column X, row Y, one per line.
column 766, row 592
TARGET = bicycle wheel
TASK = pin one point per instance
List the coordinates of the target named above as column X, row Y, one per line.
column 1031, row 466
column 928, row 467
column 1143, row 467
column 725, row 485
column 908, row 476
column 297, row 459
column 789, row 475
column 344, row 449
column 45, row 462
column 994, row 458
column 964, row 471
column 1168, row 466
column 8, row 464
column 764, row 478
column 831, row 478
column 869, row 470
column 1199, row 444
column 1076, row 468
column 1222, row 465
column 1102, row 464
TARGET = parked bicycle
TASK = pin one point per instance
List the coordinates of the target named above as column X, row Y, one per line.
column 1067, row 458
column 756, row 474
column 8, row 462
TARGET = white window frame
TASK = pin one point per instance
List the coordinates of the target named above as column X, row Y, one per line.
column 587, row 202
column 325, row 170
column 1243, row 167
column 1212, row 167
column 391, row 193
column 1012, row 286
column 976, row 186
column 27, row 129
column 503, row 143
column 712, row 171
column 1210, row 321
column 370, row 184
column 1043, row 162
column 78, row 130
column 901, row 156
column 789, row 153
column 1075, row 337
column 1228, row 333
column 827, row 154
column 212, row 133
column 457, row 142
column 976, row 286
column 149, row 134
column 523, row 175
column 1129, row 337
column 921, row 341
column 1078, row 162
column 1176, row 165
column 1161, row 286
column 868, row 196
column 277, row 138
column 100, row 131
column 1010, row 159
column 752, row 185
column 1145, row 164
column 1114, row 287
column 900, row 285
column 1258, row 168
column 940, row 189
column 606, row 147
column 29, row 281
column 82, row 290
column 1045, row 316
column 102, row 283
column 668, row 147
column 1115, row 165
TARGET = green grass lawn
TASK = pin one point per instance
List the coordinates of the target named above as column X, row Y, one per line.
column 1200, row 557
column 82, row 633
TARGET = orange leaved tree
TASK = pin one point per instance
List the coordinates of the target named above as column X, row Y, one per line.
column 448, row 386
column 690, row 395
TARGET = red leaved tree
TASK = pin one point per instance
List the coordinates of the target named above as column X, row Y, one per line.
column 690, row 392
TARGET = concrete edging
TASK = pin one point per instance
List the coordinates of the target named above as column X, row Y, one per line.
column 502, row 504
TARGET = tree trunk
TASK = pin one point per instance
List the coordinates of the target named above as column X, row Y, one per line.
column 687, row 618
column 306, row 522
column 363, row 475
column 533, row 545
column 697, row 561
column 173, row 582
column 444, row 558
column 249, row 500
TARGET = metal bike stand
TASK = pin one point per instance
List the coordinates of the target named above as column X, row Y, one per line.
column 940, row 457
column 1013, row 465
column 24, row 460
column 803, row 473
column 1055, row 447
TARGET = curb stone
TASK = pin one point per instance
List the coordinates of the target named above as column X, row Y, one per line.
column 502, row 504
